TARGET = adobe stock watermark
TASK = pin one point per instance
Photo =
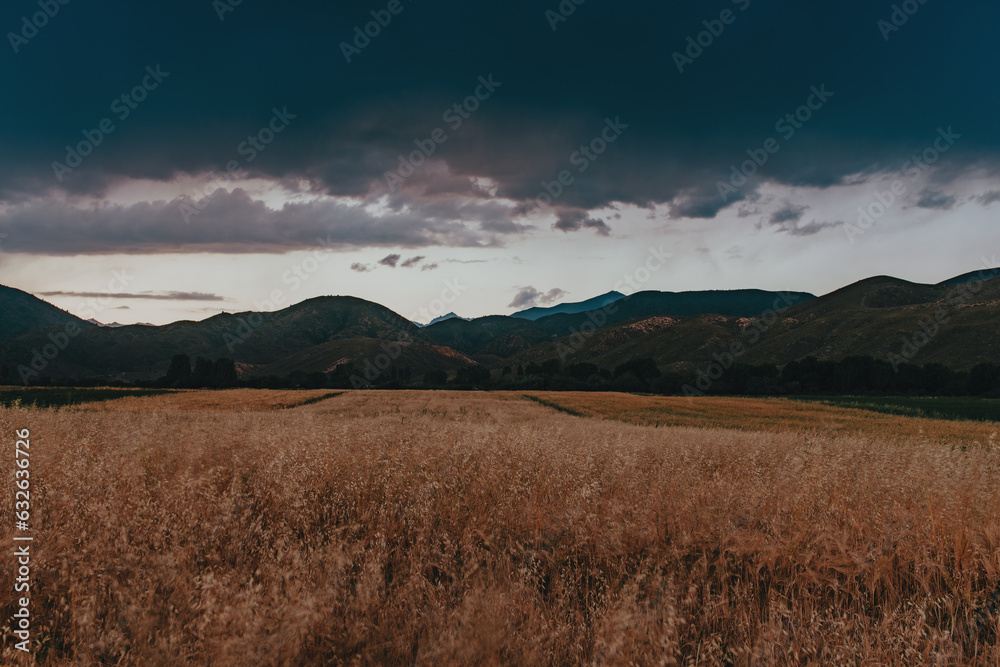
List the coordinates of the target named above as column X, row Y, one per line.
column 294, row 277
column 708, row 376
column 37, row 21
column 455, row 116
column 452, row 290
column 60, row 340
column 223, row 7
column 913, row 168
column 899, row 17
column 714, row 28
column 562, row 13
column 375, row 367
column 929, row 328
column 249, row 149
column 581, row 158
column 122, row 107
column 786, row 126
column 576, row 338
column 363, row 38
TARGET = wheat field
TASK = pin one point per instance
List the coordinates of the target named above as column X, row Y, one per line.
column 453, row 528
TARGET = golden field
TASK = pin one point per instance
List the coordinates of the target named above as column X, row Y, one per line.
column 399, row 528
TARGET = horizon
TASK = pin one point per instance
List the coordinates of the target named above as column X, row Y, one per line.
column 95, row 299
column 540, row 167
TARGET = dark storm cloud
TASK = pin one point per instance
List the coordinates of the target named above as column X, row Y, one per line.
column 353, row 122
column 576, row 219
column 234, row 223
column 703, row 201
column 987, row 198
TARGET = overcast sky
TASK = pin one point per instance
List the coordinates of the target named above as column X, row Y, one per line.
column 195, row 157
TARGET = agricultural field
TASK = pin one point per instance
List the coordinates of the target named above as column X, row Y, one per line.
column 44, row 397
column 254, row 527
column 963, row 408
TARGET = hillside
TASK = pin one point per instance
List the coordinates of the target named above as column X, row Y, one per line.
column 569, row 308
column 251, row 339
column 22, row 312
column 681, row 332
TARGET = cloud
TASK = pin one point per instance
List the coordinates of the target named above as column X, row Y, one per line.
column 814, row 227
column 529, row 296
column 705, row 201
column 686, row 133
column 933, row 199
column 413, row 261
column 789, row 213
column 155, row 296
column 987, row 198
column 234, row 222
column 788, row 218
column 576, row 219
column 428, row 267
column 362, row 268
column 390, row 260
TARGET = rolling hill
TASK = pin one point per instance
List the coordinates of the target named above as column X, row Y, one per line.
column 20, row 312
column 878, row 316
column 569, row 308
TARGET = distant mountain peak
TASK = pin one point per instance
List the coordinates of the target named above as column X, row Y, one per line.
column 117, row 325
column 539, row 312
column 443, row 318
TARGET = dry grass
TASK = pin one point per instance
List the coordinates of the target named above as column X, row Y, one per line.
column 466, row 528
column 225, row 400
column 777, row 415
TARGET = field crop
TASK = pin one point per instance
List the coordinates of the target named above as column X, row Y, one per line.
column 471, row 528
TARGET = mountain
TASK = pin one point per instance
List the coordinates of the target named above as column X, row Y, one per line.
column 982, row 274
column 115, row 325
column 493, row 338
column 449, row 316
column 734, row 303
column 951, row 324
column 22, row 312
column 955, row 323
column 872, row 317
column 252, row 339
column 569, row 308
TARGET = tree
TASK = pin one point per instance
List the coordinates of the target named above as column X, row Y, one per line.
column 472, row 375
column 179, row 372
column 983, row 378
column 644, row 368
column 315, row 380
column 224, row 373
column 435, row 377
column 202, row 375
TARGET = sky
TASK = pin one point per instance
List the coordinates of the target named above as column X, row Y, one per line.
column 167, row 161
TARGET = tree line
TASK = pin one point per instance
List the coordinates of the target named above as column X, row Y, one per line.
column 855, row 375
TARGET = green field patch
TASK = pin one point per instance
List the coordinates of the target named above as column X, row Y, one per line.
column 56, row 397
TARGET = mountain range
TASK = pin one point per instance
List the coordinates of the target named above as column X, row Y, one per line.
column 955, row 322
